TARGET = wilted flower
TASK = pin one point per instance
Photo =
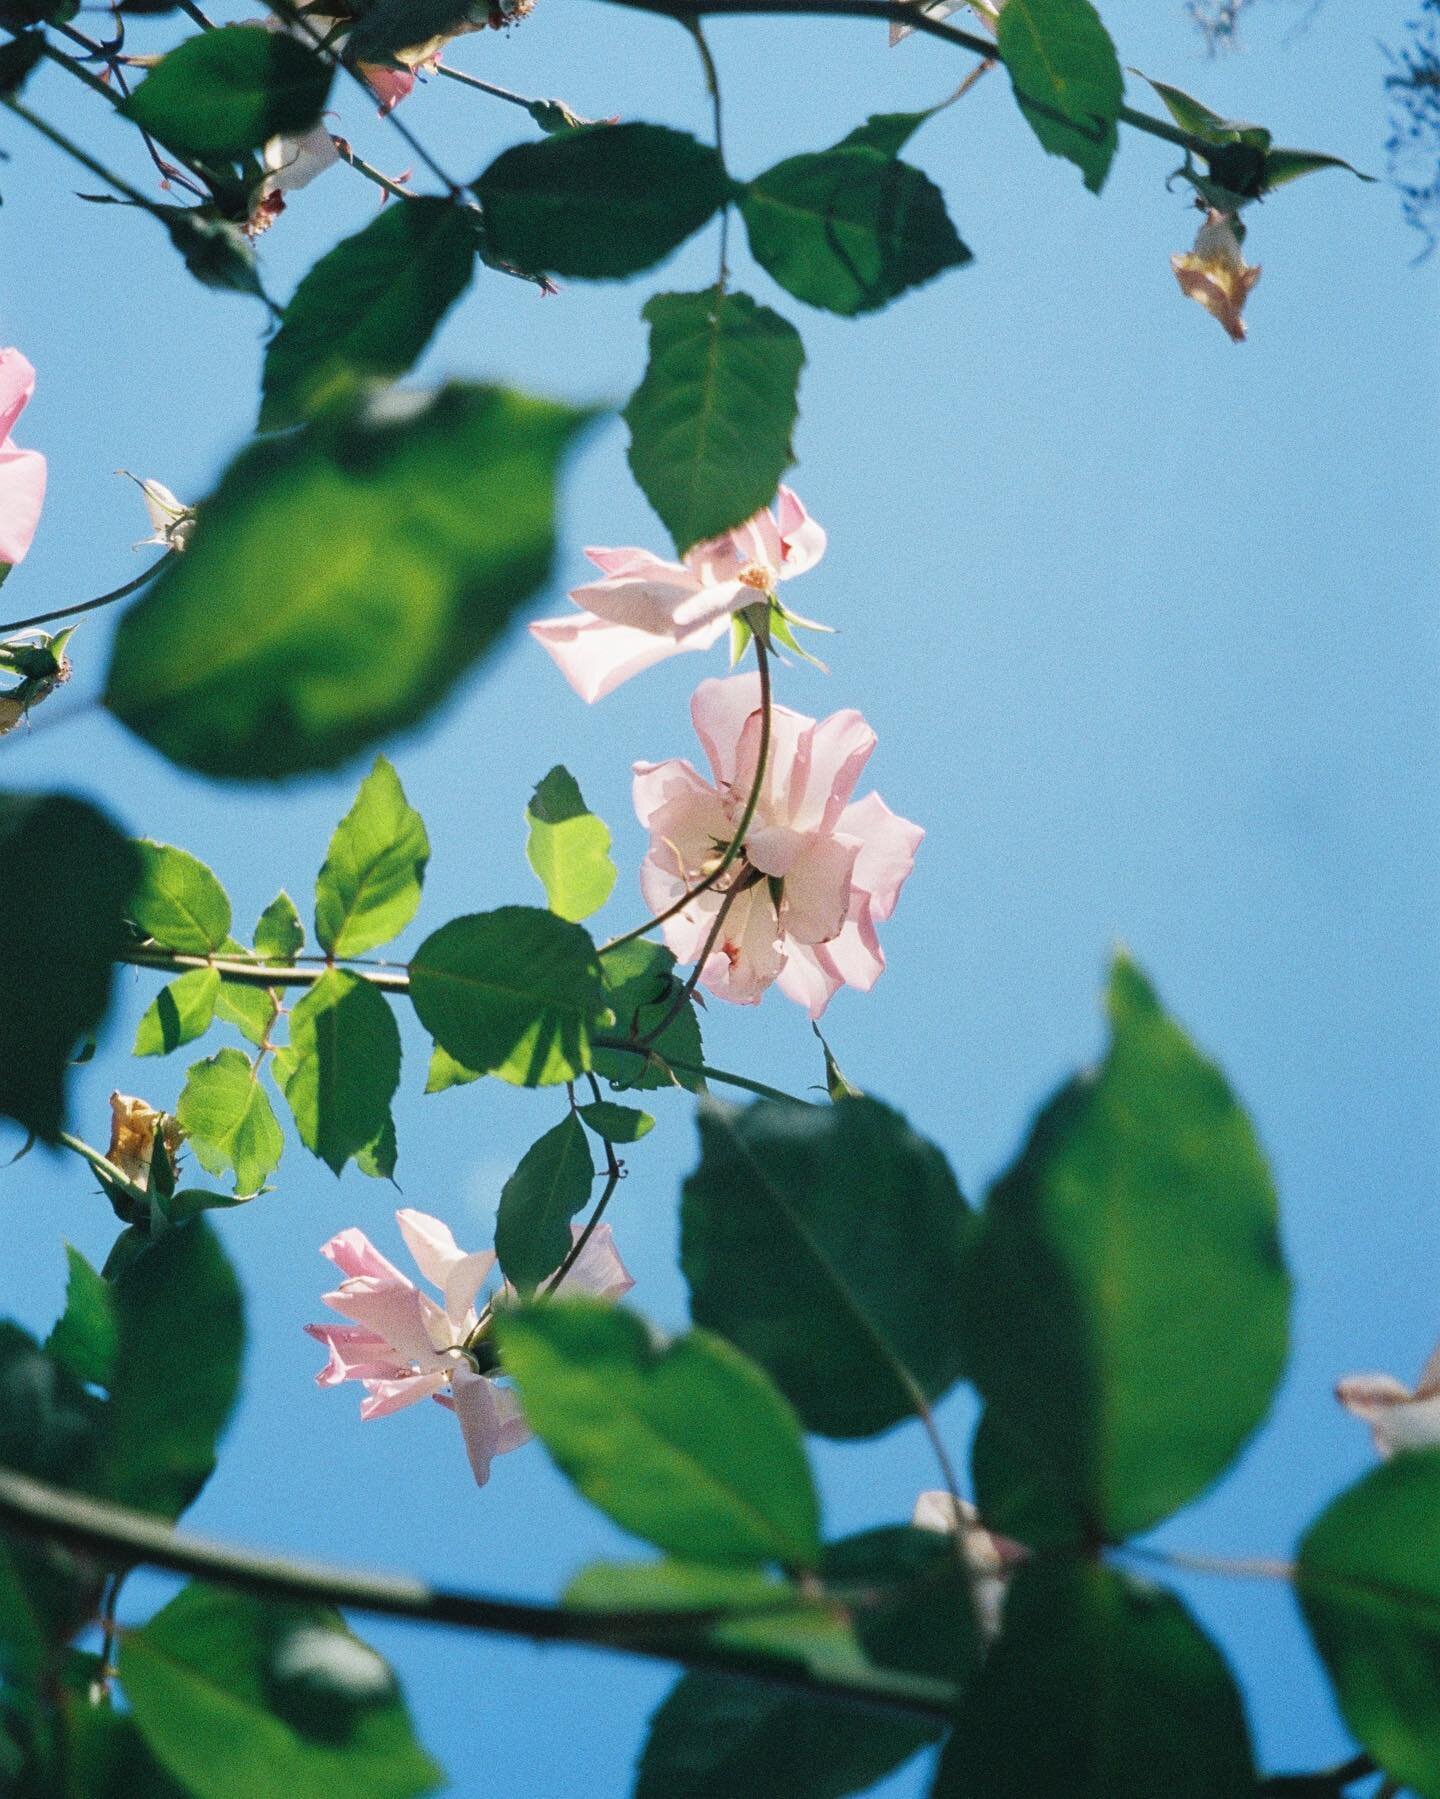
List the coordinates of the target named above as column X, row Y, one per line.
column 41, row 664
column 22, row 472
column 171, row 520
column 1399, row 1417
column 404, row 1346
column 647, row 609
column 133, row 1123
column 816, row 873
column 1216, row 274
column 990, row 1558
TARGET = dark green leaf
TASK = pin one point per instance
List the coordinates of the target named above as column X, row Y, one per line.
column 849, row 229
column 178, row 900
column 341, row 581
column 1369, row 1586
column 181, row 1335
column 887, row 132
column 84, row 1336
column 66, row 876
column 1137, row 1701
column 514, row 992
column 226, row 92
column 369, row 888
column 190, row 1202
column 1067, row 79
column 378, row 1159
column 18, row 58
column 1282, row 166
column 552, row 1183
column 568, row 847
column 1130, row 1251
column 829, row 1243
column 368, row 308
column 106, row 1757
column 229, row 1120
column 640, row 986
column 241, row 1699
column 179, row 1013
column 686, row 1444
column 216, row 252
column 601, row 201
column 710, row 424
column 342, row 1066
column 279, row 934
column 386, row 26
column 617, row 1124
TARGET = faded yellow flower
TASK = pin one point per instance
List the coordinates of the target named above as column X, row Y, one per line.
column 132, row 1136
column 1215, row 274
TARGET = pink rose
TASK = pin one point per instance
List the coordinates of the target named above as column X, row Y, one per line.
column 22, row 472
column 817, row 872
column 1399, row 1417
column 647, row 609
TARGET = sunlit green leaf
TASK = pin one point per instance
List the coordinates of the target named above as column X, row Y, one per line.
column 181, row 1011
column 617, row 1124
column 552, row 1183
column 229, row 1120
column 279, row 934
column 342, row 1066
column 1067, row 79
column 178, row 900
column 444, row 1072
column 369, row 888
column 225, row 92
column 568, row 847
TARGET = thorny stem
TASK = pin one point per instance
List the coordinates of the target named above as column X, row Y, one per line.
column 486, row 87
column 358, row 162
column 105, row 599
column 737, row 842
column 117, row 1534
column 614, row 1169
column 707, row 949
column 109, row 55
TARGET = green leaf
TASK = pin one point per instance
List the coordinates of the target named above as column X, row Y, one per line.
column 1195, row 116
column 1067, row 80
column 181, row 1335
column 180, row 1012
column 1282, row 166
column 829, row 1243
column 849, row 229
column 887, row 132
column 84, row 1336
column 178, row 900
column 106, row 1757
column 640, row 986
column 241, row 1699
column 617, row 1124
column 711, row 423
column 1137, row 1700
column 369, row 888
column 252, row 1010
column 229, row 1120
column 1130, row 1250
column 601, row 201
column 1369, row 1586
column 515, row 992
column 388, row 26
column 279, row 934
column 66, row 875
column 341, row 581
column 190, row 1202
column 367, row 310
column 378, row 1159
column 445, row 1071
column 226, row 92
column 17, row 58
column 216, row 251
column 685, row 1444
column 568, row 848
column 552, row 1183
column 342, row 1066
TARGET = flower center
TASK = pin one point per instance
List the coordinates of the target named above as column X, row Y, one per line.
column 756, row 575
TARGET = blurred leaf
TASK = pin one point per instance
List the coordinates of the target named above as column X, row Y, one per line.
column 369, row 888
column 849, row 229
column 1138, row 1702
column 66, row 875
column 711, row 423
column 1130, row 1251
column 1282, row 166
column 18, row 58
column 552, row 1183
column 367, row 310
column 568, row 848
column 228, row 91
column 178, row 900
column 84, row 1336
column 386, row 26
column 279, row 934
column 216, row 251
column 241, row 1699
column 445, row 1071
column 177, row 1370
column 683, row 1443
column 342, row 1066
column 617, row 1124
column 1067, row 80
column 515, row 992
column 341, row 581
column 1369, row 1587
column 229, row 1120
column 601, row 201
column 107, row 1758
column 181, row 1011
column 640, row 986
column 824, row 1241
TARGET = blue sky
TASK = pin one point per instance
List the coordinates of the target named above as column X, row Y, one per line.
column 1145, row 624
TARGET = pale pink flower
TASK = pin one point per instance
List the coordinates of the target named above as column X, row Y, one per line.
column 402, row 1345
column 990, row 1558
column 1399, row 1417
column 817, row 872
column 647, row 609
column 1215, row 274
column 22, row 472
